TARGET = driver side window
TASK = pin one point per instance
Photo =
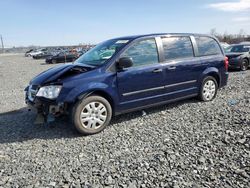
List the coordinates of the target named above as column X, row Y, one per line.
column 143, row 53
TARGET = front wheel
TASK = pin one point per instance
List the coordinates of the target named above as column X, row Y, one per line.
column 91, row 115
column 208, row 89
column 244, row 65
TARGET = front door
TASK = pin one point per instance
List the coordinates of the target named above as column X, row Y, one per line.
column 143, row 83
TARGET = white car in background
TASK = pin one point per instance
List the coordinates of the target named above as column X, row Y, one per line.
column 36, row 52
column 227, row 47
column 245, row 43
column 224, row 45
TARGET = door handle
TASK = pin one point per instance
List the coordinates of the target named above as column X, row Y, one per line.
column 172, row 68
column 157, row 70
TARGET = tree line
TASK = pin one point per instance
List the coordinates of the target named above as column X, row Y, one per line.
column 231, row 38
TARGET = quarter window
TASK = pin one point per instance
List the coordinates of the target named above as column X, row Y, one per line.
column 177, row 47
column 207, row 46
column 143, row 53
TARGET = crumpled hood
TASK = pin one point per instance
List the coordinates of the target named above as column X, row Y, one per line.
column 56, row 73
column 234, row 54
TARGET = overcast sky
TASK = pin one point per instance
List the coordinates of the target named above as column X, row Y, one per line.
column 58, row 22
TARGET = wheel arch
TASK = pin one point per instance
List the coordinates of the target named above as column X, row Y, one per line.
column 216, row 76
column 248, row 59
column 100, row 93
column 214, row 72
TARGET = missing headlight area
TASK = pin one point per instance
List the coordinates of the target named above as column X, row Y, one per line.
column 32, row 91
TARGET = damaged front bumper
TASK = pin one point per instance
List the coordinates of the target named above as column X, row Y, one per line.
column 46, row 109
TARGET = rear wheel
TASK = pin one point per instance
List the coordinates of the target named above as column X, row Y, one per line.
column 53, row 61
column 91, row 115
column 208, row 89
column 244, row 65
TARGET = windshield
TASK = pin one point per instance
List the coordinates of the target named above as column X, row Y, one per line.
column 228, row 49
column 239, row 48
column 102, row 52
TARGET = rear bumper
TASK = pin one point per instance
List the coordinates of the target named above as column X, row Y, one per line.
column 234, row 63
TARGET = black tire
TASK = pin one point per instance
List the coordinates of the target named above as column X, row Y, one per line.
column 202, row 93
column 53, row 61
column 81, row 105
column 244, row 65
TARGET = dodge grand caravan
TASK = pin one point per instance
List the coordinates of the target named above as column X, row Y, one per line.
column 127, row 74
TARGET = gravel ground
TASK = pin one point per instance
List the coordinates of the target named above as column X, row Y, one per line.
column 184, row 144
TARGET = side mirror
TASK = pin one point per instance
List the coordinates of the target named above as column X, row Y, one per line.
column 124, row 62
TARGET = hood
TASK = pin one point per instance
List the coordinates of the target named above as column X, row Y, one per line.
column 234, row 54
column 56, row 74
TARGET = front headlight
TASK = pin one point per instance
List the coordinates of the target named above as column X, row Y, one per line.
column 50, row 92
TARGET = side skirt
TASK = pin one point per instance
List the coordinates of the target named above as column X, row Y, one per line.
column 156, row 104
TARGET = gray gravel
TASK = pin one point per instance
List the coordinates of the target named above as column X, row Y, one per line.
column 184, row 144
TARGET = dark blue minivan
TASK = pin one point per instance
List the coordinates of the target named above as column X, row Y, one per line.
column 127, row 74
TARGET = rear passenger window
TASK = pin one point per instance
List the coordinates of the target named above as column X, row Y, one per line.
column 207, row 46
column 177, row 47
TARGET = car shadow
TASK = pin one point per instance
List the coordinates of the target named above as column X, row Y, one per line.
column 44, row 64
column 18, row 125
column 233, row 70
column 238, row 70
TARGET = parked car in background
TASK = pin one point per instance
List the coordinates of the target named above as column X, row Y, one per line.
column 228, row 49
column 43, row 55
column 239, row 57
column 28, row 52
column 127, row 74
column 80, row 53
column 36, row 52
column 245, row 43
column 224, row 45
column 62, row 57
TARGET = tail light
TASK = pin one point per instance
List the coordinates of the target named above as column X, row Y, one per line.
column 226, row 63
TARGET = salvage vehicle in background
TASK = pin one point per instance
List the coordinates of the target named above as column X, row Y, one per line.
column 246, row 43
column 127, row 74
column 43, row 55
column 239, row 57
column 225, row 46
column 27, row 54
column 36, row 52
column 62, row 57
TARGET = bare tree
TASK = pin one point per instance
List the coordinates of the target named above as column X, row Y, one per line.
column 213, row 32
column 230, row 38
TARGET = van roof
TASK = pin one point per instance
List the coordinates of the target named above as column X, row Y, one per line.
column 161, row 34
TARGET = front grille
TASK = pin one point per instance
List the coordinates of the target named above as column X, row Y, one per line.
column 32, row 92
